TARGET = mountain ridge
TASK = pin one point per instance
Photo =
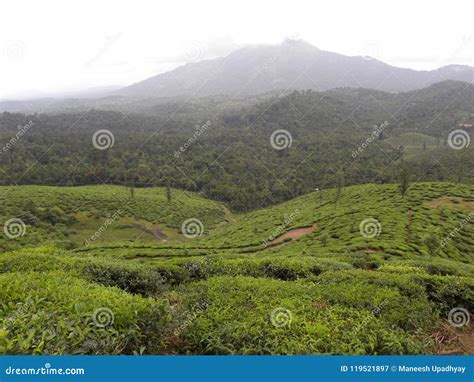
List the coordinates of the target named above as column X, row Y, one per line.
column 294, row 64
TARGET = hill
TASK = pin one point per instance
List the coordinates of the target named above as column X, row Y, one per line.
column 360, row 271
column 75, row 216
column 293, row 65
column 224, row 150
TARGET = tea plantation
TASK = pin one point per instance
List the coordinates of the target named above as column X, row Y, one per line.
column 360, row 270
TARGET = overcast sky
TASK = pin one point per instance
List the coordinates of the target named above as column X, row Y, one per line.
column 57, row 45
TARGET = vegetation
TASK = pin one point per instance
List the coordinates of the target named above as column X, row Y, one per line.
column 196, row 232
column 335, row 287
column 232, row 160
column 78, row 215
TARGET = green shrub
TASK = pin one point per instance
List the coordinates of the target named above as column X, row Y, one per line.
column 53, row 313
column 237, row 320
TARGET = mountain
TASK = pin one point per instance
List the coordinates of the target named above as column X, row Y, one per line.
column 294, row 65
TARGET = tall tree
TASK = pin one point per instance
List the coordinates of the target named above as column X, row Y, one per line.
column 404, row 180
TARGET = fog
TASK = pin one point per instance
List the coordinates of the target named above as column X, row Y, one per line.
column 56, row 46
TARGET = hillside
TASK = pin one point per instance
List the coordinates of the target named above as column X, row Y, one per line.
column 293, row 65
column 224, row 150
column 72, row 216
column 360, row 271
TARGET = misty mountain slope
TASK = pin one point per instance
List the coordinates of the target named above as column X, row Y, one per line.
column 292, row 65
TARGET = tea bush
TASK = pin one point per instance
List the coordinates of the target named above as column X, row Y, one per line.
column 53, row 313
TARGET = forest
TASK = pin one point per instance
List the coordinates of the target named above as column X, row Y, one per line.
column 223, row 150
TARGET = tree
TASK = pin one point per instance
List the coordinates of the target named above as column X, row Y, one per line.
column 168, row 192
column 404, row 181
column 340, row 184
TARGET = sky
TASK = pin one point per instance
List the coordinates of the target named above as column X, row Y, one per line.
column 53, row 46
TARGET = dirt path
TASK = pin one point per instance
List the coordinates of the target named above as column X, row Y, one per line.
column 294, row 234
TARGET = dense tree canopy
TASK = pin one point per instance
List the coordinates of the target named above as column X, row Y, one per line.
column 223, row 149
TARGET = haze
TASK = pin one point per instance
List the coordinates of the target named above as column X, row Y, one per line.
column 55, row 46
